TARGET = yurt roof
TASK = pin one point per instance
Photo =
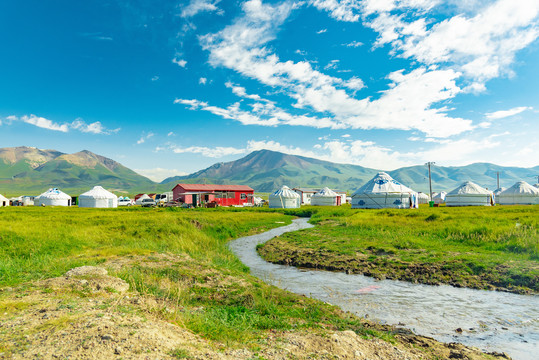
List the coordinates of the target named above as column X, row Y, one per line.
column 422, row 195
column 326, row 192
column 521, row 188
column 286, row 192
column 97, row 193
column 441, row 195
column 499, row 190
column 469, row 188
column 383, row 183
column 55, row 194
column 3, row 198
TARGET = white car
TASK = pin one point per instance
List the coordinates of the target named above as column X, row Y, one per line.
column 124, row 202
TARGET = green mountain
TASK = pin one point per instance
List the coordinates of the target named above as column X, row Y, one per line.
column 266, row 170
column 31, row 171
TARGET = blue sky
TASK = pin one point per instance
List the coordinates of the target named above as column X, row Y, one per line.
column 171, row 87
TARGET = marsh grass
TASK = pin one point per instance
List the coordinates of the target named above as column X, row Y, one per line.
column 498, row 244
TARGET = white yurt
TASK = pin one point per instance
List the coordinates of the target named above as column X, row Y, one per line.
column 497, row 192
column 284, row 198
column 98, row 198
column 423, row 198
column 139, row 200
column 3, row 201
column 520, row 193
column 53, row 197
column 382, row 191
column 469, row 194
column 439, row 198
column 326, row 197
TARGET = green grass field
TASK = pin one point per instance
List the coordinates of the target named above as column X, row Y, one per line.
column 479, row 247
column 209, row 290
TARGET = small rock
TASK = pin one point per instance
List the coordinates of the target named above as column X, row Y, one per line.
column 118, row 350
column 107, row 337
column 459, row 330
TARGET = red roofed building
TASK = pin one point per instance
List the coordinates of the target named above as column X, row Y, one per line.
column 222, row 195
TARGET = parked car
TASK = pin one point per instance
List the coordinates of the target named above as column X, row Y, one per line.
column 148, row 203
column 124, row 202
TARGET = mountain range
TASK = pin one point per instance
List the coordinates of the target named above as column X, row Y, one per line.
column 266, row 170
column 31, row 171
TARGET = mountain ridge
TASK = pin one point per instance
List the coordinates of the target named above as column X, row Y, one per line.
column 32, row 170
column 266, row 170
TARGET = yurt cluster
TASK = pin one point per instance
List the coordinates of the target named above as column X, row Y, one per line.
column 382, row 191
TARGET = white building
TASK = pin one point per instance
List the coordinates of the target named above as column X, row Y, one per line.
column 520, row 193
column 326, row 197
column 98, row 198
column 284, row 198
column 423, row 198
column 469, row 194
column 382, row 191
column 305, row 194
column 3, row 201
column 53, row 197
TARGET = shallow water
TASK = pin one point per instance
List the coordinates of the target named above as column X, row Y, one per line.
column 490, row 320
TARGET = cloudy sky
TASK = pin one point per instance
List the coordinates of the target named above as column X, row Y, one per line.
column 171, row 87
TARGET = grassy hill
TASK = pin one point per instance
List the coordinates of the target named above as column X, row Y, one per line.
column 32, row 171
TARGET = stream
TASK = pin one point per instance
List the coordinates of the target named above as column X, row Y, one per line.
column 490, row 320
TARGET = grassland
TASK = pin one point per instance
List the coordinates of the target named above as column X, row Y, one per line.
column 180, row 272
column 478, row 247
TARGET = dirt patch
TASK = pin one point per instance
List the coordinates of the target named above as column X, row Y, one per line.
column 384, row 265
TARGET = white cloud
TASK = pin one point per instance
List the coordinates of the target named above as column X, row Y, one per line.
column 506, row 113
column 354, row 44
column 346, row 135
column 155, row 78
column 93, row 128
column 197, row 6
column 144, row 137
column 322, row 31
column 342, row 10
column 179, row 62
column 202, row 81
column 216, row 152
column 44, row 123
column 78, row 124
column 160, row 174
column 481, row 46
column 171, row 134
column 332, row 65
column 409, row 103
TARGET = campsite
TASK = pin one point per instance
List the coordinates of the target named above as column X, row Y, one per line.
column 269, row 180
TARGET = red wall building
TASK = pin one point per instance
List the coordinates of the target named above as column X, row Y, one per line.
column 223, row 195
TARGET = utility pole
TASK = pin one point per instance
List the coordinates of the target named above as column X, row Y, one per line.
column 429, row 164
column 498, row 179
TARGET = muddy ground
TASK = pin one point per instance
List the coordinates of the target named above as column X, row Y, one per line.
column 89, row 314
